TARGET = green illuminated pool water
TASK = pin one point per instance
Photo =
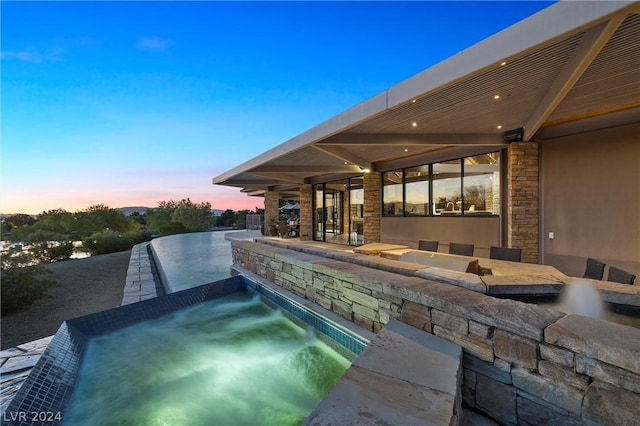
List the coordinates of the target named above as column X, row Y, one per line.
column 230, row 361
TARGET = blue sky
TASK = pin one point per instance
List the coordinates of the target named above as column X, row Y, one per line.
column 132, row 103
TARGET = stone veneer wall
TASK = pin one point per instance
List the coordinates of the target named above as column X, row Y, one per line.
column 522, row 199
column 523, row 364
column 372, row 207
column 306, row 212
column 271, row 209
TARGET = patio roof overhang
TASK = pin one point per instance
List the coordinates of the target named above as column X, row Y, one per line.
column 571, row 68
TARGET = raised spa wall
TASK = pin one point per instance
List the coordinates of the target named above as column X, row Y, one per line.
column 523, row 364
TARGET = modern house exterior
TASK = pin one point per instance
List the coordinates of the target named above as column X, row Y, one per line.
column 528, row 139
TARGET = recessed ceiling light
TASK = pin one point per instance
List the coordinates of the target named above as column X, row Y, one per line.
column 406, row 150
column 413, row 101
column 496, row 96
column 503, row 63
column 499, row 126
column 414, row 124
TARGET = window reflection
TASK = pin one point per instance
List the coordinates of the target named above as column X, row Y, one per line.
column 356, row 210
column 319, row 219
column 482, row 184
column 392, row 193
column 416, row 191
column 469, row 186
column 447, row 178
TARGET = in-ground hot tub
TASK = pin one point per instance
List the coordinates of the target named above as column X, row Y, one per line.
column 148, row 352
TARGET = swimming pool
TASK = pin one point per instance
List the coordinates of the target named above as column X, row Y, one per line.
column 52, row 382
column 232, row 360
column 188, row 260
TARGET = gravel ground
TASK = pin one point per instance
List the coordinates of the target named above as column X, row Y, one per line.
column 85, row 286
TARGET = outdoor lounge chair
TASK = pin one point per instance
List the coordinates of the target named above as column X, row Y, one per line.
column 618, row 275
column 505, row 253
column 595, row 269
column 461, row 249
column 427, row 245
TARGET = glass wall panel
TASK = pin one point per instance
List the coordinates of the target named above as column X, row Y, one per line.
column 447, row 188
column 481, row 184
column 356, row 211
column 416, row 191
column 334, row 211
column 392, row 193
column 319, row 216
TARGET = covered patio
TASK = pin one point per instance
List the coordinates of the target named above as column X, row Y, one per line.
column 531, row 116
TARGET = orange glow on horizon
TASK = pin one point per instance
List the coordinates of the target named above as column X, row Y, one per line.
column 220, row 198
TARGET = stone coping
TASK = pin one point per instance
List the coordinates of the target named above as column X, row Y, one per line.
column 622, row 294
column 377, row 248
column 390, row 382
column 441, row 260
column 512, row 279
column 16, row 364
column 140, row 283
column 614, row 344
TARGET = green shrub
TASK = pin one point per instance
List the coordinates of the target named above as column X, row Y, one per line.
column 107, row 242
column 53, row 251
column 112, row 241
column 22, row 285
column 140, row 236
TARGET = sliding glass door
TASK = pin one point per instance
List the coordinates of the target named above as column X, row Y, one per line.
column 339, row 207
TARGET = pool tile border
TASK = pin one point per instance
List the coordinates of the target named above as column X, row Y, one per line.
column 51, row 382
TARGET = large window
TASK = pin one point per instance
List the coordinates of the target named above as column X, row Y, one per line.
column 416, row 191
column 482, row 184
column 392, row 193
column 447, row 178
column 465, row 187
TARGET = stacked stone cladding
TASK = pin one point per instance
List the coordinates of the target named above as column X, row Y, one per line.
column 372, row 207
column 306, row 212
column 522, row 199
column 523, row 364
column 271, row 208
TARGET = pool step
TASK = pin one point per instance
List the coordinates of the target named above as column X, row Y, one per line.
column 390, row 382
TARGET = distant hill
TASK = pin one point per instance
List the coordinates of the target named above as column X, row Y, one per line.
column 142, row 210
column 128, row 210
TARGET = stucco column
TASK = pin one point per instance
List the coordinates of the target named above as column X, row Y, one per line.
column 372, row 207
column 271, row 209
column 306, row 212
column 522, row 199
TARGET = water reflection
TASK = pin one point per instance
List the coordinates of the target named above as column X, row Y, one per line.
column 190, row 260
column 229, row 361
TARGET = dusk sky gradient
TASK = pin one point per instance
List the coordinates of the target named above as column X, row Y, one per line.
column 132, row 103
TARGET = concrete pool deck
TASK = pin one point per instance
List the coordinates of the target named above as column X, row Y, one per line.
column 381, row 385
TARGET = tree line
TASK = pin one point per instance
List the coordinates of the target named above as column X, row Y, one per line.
column 51, row 236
